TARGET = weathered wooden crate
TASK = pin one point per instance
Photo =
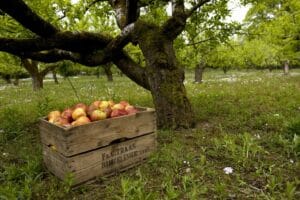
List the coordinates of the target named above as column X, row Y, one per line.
column 98, row 148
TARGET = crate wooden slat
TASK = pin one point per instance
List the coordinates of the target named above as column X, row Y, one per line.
column 75, row 140
column 103, row 161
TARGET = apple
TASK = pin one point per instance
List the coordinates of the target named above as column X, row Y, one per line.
column 53, row 115
column 118, row 113
column 96, row 103
column 91, row 108
column 118, row 106
column 131, row 109
column 81, row 120
column 111, row 103
column 67, row 113
column 77, row 113
column 98, row 115
column 107, row 111
column 81, row 105
column 62, row 122
column 103, row 105
column 124, row 103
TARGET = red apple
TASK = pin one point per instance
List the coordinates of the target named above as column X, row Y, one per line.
column 91, row 108
column 107, row 111
column 67, row 113
column 78, row 112
column 118, row 113
column 62, row 122
column 81, row 120
column 98, row 115
column 53, row 116
column 118, row 106
column 81, row 105
column 96, row 103
column 131, row 109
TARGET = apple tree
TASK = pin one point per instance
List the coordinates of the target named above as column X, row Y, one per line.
column 204, row 34
column 276, row 23
column 10, row 69
column 162, row 75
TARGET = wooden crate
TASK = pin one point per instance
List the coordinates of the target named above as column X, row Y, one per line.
column 98, row 148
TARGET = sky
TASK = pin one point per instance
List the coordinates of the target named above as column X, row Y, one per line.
column 238, row 12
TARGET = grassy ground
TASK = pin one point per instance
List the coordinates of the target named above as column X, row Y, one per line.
column 246, row 121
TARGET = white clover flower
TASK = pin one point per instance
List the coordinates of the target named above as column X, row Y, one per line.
column 257, row 136
column 5, row 154
column 228, row 170
column 188, row 170
column 291, row 161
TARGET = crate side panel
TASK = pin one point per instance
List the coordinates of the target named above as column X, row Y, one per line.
column 112, row 159
column 102, row 133
column 55, row 162
column 52, row 135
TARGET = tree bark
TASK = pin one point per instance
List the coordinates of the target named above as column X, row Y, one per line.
column 199, row 72
column 54, row 77
column 7, row 79
column 98, row 72
column 286, row 68
column 16, row 82
column 37, row 82
column 165, row 78
column 108, row 72
column 37, row 78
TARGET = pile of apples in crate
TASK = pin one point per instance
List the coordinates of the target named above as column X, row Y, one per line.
column 81, row 113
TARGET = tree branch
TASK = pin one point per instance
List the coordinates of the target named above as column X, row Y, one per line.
column 201, row 41
column 133, row 70
column 177, row 7
column 176, row 24
column 18, row 10
column 51, row 56
column 70, row 41
column 196, row 6
column 48, row 69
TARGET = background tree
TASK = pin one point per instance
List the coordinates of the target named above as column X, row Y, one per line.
column 204, row 34
column 10, row 69
column 277, row 24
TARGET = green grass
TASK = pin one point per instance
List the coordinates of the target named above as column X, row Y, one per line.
column 250, row 123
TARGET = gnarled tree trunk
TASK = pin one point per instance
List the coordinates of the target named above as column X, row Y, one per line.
column 54, row 77
column 165, row 78
column 199, row 72
column 7, row 79
column 286, row 68
column 37, row 82
column 108, row 72
column 37, row 79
